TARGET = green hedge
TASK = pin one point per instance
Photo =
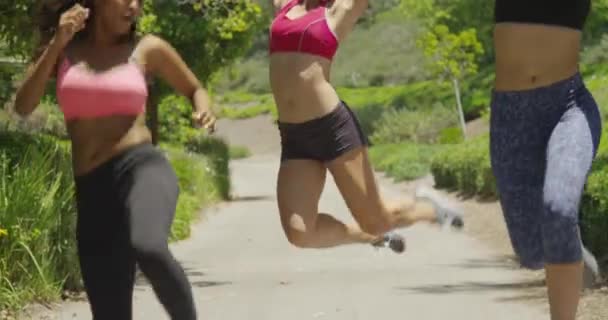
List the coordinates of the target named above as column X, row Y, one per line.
column 403, row 161
column 466, row 168
column 37, row 210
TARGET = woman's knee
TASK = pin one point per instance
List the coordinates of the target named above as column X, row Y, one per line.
column 298, row 230
column 376, row 218
column 300, row 239
column 149, row 248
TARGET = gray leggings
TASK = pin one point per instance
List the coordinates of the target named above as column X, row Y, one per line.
column 542, row 144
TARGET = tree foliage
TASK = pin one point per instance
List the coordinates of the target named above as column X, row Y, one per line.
column 597, row 23
column 451, row 55
column 208, row 33
column 458, row 16
column 17, row 30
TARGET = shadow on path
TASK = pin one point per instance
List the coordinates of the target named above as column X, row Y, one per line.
column 501, row 262
column 253, row 198
column 141, row 282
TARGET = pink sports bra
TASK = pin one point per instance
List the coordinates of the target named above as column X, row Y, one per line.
column 85, row 94
column 309, row 33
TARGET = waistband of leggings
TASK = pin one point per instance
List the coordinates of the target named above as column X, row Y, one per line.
column 119, row 162
column 340, row 108
column 568, row 85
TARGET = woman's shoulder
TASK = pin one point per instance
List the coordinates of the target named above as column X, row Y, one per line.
column 150, row 42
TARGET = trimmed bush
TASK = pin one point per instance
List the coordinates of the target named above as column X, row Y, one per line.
column 451, row 135
column 465, row 167
column 403, row 161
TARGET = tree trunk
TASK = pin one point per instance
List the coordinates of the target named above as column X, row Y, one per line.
column 460, row 112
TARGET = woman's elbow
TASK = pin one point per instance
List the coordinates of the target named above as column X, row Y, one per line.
column 22, row 106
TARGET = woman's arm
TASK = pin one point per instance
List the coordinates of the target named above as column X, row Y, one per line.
column 32, row 89
column 164, row 61
column 344, row 15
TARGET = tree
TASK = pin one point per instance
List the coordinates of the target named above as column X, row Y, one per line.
column 208, row 34
column 597, row 24
column 457, row 15
column 452, row 57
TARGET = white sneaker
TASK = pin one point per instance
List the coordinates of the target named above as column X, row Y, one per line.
column 447, row 213
column 592, row 273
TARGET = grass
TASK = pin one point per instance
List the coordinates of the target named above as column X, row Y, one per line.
column 37, row 214
column 37, row 211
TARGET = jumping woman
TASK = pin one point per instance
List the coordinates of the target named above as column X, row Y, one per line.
column 545, row 131
column 126, row 190
column 320, row 133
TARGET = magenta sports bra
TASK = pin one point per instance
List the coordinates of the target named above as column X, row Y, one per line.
column 309, row 33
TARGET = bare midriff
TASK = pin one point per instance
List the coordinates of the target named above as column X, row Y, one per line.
column 529, row 56
column 95, row 141
column 301, row 87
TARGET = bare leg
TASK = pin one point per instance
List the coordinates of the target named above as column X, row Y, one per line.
column 564, row 284
column 299, row 188
column 355, row 178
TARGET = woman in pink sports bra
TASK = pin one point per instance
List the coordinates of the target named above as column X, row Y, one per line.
column 319, row 132
column 126, row 190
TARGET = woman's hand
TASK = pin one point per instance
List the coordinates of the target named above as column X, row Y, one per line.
column 70, row 23
column 204, row 118
column 163, row 60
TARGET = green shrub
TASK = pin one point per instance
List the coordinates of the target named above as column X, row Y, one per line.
column 403, row 125
column 37, row 216
column 596, row 83
column 594, row 205
column 465, row 167
column 594, row 211
column 197, row 188
column 217, row 152
column 403, row 161
column 175, row 120
column 37, row 210
column 451, row 135
column 46, row 119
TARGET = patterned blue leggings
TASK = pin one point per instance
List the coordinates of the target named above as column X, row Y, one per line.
column 542, row 144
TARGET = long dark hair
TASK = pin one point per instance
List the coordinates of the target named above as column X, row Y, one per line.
column 48, row 16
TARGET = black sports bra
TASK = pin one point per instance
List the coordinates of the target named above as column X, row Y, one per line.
column 567, row 13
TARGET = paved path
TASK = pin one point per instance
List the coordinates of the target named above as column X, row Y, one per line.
column 242, row 268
